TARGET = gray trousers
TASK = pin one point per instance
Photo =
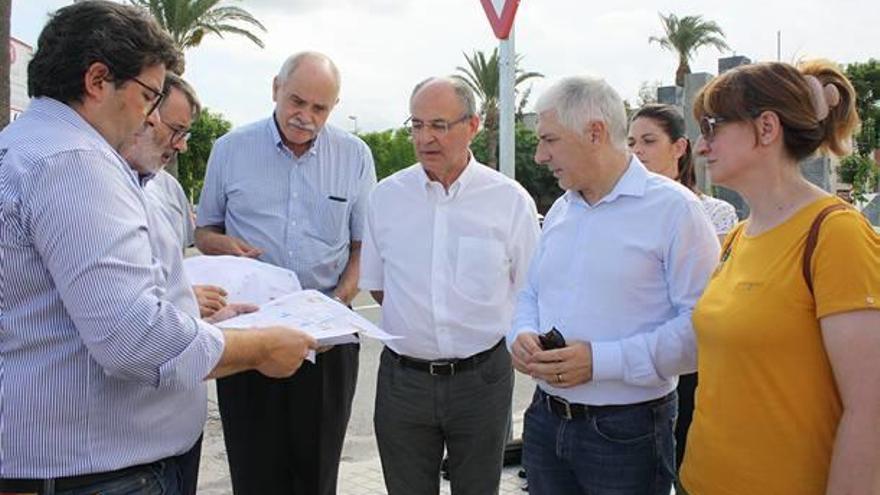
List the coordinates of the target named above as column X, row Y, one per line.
column 417, row 414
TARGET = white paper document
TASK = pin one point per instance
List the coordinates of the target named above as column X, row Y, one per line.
column 312, row 312
column 245, row 280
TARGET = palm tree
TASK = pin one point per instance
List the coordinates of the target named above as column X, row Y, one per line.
column 482, row 77
column 684, row 36
column 188, row 21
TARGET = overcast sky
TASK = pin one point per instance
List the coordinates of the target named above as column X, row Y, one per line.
column 384, row 47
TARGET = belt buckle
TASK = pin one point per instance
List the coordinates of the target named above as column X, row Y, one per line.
column 432, row 367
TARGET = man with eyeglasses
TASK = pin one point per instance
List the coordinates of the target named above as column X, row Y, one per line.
column 154, row 149
column 148, row 153
column 446, row 275
column 102, row 382
column 291, row 190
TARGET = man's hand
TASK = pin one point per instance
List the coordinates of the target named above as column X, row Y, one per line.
column 523, row 349
column 284, row 351
column 231, row 311
column 211, row 299
column 567, row 367
column 214, row 243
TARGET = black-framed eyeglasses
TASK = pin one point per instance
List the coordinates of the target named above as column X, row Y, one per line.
column 709, row 125
column 178, row 134
column 158, row 95
column 437, row 127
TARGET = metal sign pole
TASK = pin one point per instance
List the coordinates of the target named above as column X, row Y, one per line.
column 506, row 137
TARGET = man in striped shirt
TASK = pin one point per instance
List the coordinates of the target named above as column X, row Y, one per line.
column 291, row 191
column 101, row 373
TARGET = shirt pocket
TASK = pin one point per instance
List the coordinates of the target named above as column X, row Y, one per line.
column 331, row 218
column 480, row 268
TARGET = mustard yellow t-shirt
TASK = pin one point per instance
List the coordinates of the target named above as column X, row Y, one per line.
column 767, row 407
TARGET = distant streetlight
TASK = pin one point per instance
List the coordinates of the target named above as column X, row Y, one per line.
column 354, row 119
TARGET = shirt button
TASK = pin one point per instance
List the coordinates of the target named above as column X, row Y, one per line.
column 290, row 253
column 295, row 195
column 293, row 223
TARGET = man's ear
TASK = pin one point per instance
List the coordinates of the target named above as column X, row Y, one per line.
column 595, row 131
column 274, row 88
column 97, row 80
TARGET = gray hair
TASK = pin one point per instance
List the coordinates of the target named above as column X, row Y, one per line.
column 579, row 100
column 462, row 91
column 293, row 62
column 173, row 81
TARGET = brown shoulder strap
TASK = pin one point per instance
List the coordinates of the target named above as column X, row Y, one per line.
column 813, row 239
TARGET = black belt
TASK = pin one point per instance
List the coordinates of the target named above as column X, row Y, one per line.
column 445, row 367
column 37, row 486
column 567, row 410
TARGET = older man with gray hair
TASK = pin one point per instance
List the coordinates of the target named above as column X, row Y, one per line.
column 446, row 275
column 623, row 257
column 291, row 190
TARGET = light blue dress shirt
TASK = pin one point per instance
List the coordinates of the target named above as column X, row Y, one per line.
column 303, row 212
column 623, row 274
column 99, row 370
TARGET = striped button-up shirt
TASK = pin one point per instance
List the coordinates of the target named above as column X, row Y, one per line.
column 98, row 369
column 303, row 212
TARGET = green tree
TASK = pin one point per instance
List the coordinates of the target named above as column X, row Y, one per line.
column 392, row 150
column 860, row 169
column 188, row 21
column 192, row 165
column 537, row 179
column 865, row 78
column 685, row 36
column 482, row 76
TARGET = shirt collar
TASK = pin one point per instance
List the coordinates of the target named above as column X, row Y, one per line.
column 633, row 182
column 272, row 124
column 465, row 178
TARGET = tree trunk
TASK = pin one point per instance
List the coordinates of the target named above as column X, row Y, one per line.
column 5, row 13
column 683, row 69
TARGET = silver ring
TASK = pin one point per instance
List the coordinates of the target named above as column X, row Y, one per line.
column 558, row 377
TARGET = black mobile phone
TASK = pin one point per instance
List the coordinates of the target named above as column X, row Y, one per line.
column 552, row 340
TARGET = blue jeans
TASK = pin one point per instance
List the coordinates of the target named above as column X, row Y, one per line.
column 611, row 451
column 161, row 478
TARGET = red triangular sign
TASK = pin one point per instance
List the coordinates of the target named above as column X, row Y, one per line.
column 500, row 14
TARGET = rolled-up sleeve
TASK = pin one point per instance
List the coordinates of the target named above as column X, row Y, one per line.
column 97, row 250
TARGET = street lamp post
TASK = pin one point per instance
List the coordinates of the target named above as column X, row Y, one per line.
column 354, row 119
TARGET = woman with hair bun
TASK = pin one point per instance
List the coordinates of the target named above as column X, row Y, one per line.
column 788, row 331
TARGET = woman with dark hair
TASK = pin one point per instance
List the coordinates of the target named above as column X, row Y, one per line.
column 788, row 328
column 657, row 138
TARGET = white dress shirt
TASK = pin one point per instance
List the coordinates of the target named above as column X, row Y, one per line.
column 449, row 262
column 623, row 274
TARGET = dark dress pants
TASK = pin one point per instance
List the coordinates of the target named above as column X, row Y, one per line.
column 284, row 436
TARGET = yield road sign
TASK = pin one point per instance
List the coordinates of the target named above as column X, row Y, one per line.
column 500, row 14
